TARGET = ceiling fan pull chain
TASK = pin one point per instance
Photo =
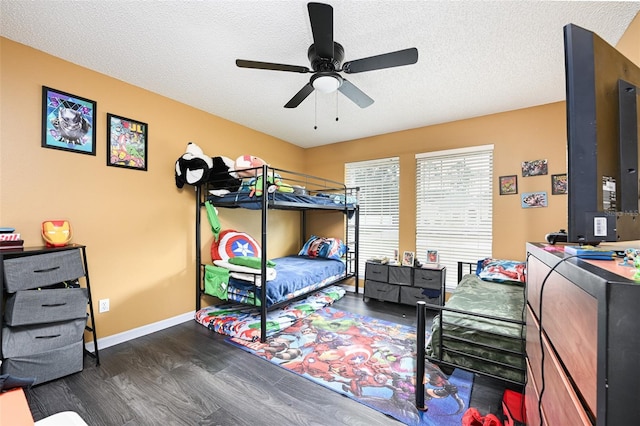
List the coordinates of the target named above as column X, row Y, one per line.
column 337, row 112
column 315, row 111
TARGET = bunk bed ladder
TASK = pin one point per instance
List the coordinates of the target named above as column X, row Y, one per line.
column 263, row 262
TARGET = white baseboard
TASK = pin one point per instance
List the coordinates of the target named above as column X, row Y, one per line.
column 125, row 336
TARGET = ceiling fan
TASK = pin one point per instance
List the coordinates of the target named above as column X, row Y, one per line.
column 326, row 57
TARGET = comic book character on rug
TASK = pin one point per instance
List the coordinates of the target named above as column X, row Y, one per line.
column 370, row 360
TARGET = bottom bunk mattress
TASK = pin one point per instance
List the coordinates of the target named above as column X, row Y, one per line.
column 294, row 276
column 473, row 341
column 243, row 321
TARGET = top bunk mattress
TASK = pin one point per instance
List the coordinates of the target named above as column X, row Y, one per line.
column 283, row 199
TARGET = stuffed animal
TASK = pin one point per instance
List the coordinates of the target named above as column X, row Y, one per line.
column 222, row 177
column 245, row 162
column 195, row 168
column 274, row 183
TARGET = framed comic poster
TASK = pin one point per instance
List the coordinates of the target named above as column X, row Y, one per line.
column 534, row 199
column 534, row 168
column 68, row 122
column 508, row 184
column 559, row 184
column 432, row 256
column 127, row 142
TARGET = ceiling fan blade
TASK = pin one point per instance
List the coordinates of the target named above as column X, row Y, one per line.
column 242, row 63
column 356, row 95
column 300, row 96
column 387, row 60
column 321, row 17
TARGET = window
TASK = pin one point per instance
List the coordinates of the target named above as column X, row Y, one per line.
column 454, row 203
column 379, row 182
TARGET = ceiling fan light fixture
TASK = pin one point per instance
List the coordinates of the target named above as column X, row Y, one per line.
column 326, row 83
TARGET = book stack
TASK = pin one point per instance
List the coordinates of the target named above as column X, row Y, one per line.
column 10, row 240
column 590, row 252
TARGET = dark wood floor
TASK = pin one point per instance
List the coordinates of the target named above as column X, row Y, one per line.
column 187, row 375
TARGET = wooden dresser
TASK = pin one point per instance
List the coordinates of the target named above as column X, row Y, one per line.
column 583, row 341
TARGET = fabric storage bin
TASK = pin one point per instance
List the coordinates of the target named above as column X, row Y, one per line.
column 23, row 273
column 427, row 278
column 400, row 275
column 29, row 339
column 381, row 291
column 39, row 306
column 376, row 272
column 411, row 296
column 46, row 366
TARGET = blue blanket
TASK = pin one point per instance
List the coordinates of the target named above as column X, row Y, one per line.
column 296, row 275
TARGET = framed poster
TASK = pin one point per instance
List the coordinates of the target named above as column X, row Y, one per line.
column 534, row 168
column 559, row 184
column 407, row 258
column 508, row 184
column 126, row 142
column 68, row 122
column 534, row 199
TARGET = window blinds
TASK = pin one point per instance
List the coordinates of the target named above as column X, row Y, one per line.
column 379, row 182
column 454, row 203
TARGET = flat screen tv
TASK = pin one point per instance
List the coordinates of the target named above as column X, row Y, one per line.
column 602, row 140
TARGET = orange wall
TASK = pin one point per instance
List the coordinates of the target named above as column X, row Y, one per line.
column 528, row 134
column 139, row 228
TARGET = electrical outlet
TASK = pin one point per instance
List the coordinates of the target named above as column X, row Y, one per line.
column 104, row 305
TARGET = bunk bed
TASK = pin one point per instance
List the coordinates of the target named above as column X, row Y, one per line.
column 481, row 327
column 292, row 277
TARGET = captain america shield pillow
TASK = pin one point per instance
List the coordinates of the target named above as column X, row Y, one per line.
column 232, row 243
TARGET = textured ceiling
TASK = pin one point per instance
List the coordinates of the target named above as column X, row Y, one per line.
column 475, row 57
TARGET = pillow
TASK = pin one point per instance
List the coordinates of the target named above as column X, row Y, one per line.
column 330, row 248
column 233, row 243
column 501, row 271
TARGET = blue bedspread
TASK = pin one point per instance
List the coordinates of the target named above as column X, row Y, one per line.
column 296, row 275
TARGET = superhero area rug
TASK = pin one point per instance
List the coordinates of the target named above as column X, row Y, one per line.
column 369, row 360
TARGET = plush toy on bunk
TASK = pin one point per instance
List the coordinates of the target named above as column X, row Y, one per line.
column 195, row 168
column 250, row 168
column 224, row 175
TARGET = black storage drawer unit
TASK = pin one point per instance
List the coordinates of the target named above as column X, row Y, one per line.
column 400, row 275
column 427, row 278
column 381, row 291
column 41, row 270
column 29, row 339
column 48, row 365
column 38, row 306
column 412, row 295
column 45, row 309
column 405, row 284
column 376, row 272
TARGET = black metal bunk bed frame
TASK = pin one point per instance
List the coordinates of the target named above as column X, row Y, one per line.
column 269, row 202
column 422, row 357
